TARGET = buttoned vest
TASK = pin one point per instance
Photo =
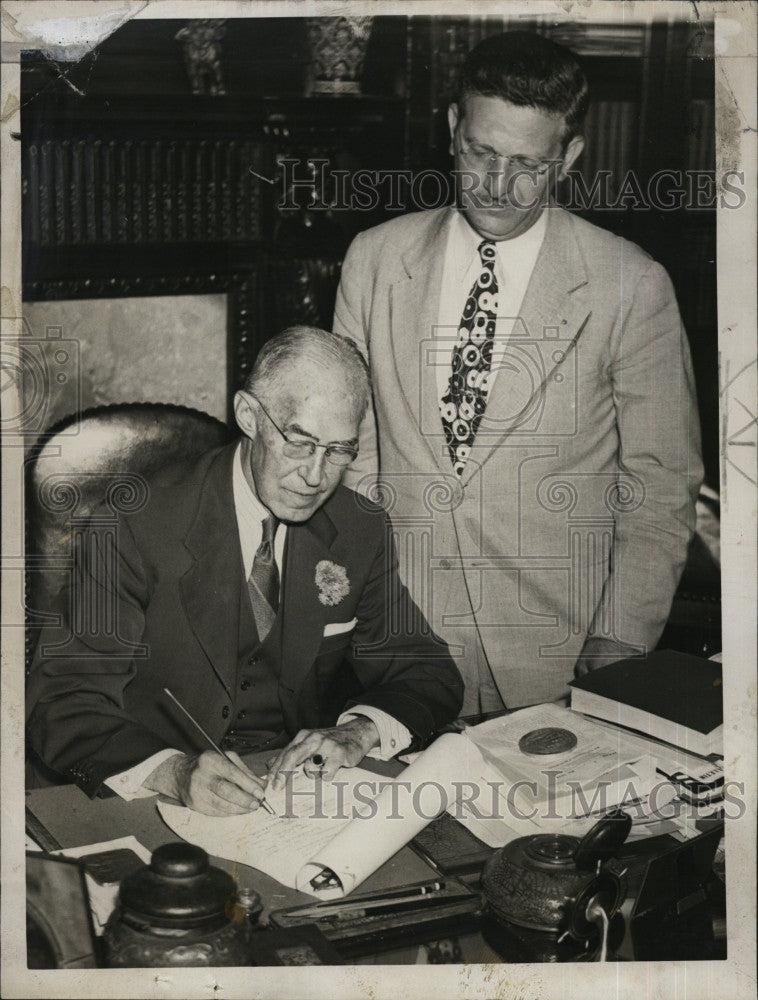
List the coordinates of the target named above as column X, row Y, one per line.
column 256, row 714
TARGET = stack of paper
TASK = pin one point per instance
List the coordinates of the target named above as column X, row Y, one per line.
column 697, row 783
column 567, row 791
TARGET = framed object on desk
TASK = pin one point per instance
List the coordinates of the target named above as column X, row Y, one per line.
column 59, row 931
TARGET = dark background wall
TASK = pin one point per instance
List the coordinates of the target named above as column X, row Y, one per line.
column 136, row 186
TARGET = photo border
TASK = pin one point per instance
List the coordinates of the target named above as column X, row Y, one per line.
column 732, row 979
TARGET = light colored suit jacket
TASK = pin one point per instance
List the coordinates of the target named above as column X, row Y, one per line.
column 576, row 506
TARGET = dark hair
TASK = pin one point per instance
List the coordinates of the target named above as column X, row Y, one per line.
column 309, row 344
column 530, row 71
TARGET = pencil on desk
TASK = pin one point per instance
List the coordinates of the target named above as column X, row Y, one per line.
column 344, row 911
column 404, row 892
column 214, row 745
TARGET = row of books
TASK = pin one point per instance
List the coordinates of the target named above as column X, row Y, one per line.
column 150, row 191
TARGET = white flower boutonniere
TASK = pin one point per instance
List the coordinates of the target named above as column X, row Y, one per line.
column 332, row 582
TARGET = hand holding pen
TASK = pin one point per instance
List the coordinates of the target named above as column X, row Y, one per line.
column 218, row 784
column 213, row 782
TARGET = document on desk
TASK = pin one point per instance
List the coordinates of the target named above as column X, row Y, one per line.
column 561, row 792
column 351, row 825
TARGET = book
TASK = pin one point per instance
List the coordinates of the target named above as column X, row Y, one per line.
column 671, row 696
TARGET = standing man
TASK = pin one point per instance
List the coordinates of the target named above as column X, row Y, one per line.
column 262, row 593
column 538, row 439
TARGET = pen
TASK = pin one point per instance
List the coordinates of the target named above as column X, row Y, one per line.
column 215, row 746
column 408, row 892
column 377, row 907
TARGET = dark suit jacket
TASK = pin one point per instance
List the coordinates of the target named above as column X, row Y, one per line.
column 98, row 706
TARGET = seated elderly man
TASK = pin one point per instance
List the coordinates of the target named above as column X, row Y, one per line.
column 264, row 595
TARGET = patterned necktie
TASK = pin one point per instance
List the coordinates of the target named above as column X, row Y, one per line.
column 463, row 404
column 263, row 582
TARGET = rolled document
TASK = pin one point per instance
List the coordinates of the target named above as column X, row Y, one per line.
column 430, row 785
column 349, row 827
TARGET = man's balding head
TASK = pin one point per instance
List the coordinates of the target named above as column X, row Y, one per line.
column 300, row 357
column 300, row 412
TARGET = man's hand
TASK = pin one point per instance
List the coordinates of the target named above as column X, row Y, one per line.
column 339, row 746
column 598, row 652
column 208, row 783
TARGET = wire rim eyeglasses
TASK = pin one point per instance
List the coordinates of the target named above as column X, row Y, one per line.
column 336, row 454
column 489, row 160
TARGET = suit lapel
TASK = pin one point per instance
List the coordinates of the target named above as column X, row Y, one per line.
column 210, row 588
column 556, row 296
column 555, row 306
column 414, row 305
column 302, row 624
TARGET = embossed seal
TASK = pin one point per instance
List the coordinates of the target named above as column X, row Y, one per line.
column 551, row 739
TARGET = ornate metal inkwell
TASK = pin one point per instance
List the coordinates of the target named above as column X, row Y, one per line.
column 180, row 911
column 558, row 897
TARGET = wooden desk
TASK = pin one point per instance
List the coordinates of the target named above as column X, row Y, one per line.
column 75, row 820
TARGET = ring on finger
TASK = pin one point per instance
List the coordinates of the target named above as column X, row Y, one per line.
column 314, row 765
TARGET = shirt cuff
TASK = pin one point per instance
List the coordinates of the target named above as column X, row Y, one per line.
column 128, row 784
column 393, row 735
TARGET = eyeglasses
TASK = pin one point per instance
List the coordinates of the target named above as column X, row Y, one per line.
column 302, row 448
column 483, row 158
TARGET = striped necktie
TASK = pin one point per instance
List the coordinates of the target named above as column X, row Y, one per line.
column 263, row 582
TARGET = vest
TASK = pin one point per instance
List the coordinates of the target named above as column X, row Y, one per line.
column 256, row 720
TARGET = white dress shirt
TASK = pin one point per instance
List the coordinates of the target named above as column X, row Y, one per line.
column 514, row 265
column 250, row 512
